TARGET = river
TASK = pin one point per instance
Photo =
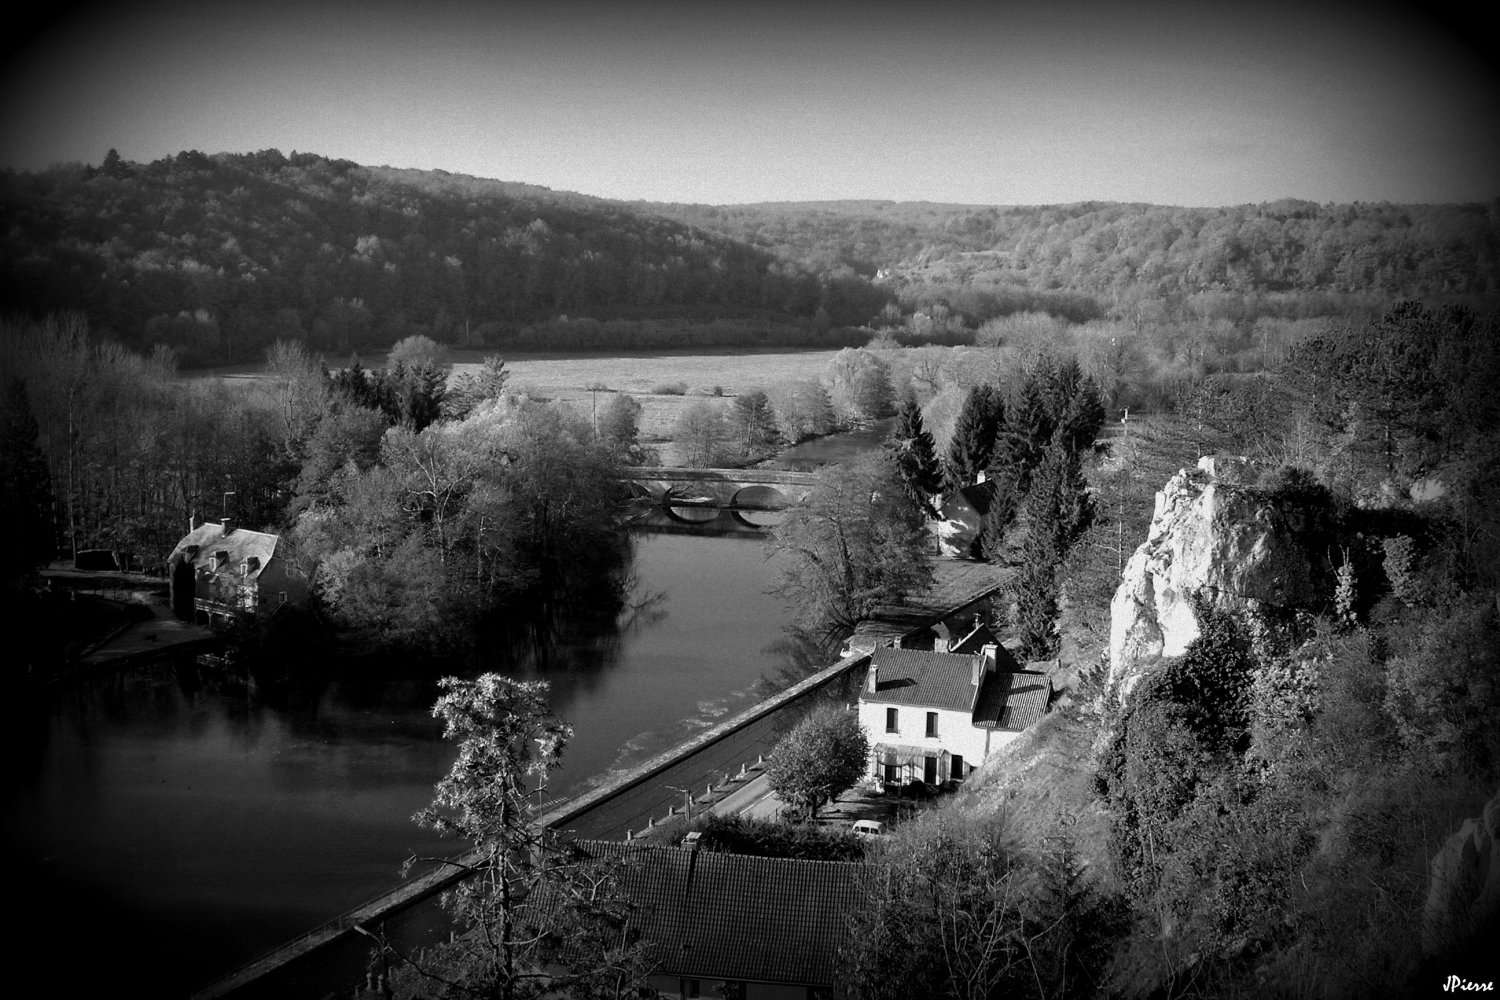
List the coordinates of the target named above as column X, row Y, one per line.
column 168, row 828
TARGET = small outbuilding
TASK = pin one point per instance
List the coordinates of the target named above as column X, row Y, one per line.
column 223, row 571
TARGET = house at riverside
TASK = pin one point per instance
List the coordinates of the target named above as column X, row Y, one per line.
column 223, row 571
column 934, row 716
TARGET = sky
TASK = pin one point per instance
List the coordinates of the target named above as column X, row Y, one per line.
column 999, row 103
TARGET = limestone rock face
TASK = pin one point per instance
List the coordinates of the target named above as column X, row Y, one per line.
column 1210, row 535
column 1463, row 894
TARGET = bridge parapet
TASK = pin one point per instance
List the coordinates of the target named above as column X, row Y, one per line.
column 755, row 489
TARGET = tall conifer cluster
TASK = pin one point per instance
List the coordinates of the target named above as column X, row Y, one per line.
column 915, row 455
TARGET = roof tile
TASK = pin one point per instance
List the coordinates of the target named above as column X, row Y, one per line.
column 736, row 917
column 1012, row 699
column 921, row 677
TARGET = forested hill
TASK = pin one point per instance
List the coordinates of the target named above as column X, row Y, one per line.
column 218, row 256
column 1103, row 250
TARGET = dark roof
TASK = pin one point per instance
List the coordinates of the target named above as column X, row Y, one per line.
column 731, row 916
column 920, row 677
column 240, row 545
column 1012, row 699
column 980, row 496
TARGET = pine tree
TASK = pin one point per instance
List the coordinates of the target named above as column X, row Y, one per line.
column 1056, row 510
column 915, row 455
column 1082, row 416
column 974, row 434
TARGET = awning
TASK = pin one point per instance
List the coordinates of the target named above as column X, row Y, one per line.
column 896, row 753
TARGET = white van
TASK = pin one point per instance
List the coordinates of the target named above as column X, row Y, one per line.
column 868, row 828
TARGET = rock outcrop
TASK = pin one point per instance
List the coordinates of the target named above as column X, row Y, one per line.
column 1216, row 536
column 1463, row 894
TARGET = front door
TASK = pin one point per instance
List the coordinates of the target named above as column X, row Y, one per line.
column 956, row 769
column 929, row 770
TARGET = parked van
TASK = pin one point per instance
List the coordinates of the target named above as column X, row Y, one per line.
column 868, row 828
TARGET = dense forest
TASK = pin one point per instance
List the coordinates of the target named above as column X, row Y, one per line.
column 1103, row 249
column 220, row 256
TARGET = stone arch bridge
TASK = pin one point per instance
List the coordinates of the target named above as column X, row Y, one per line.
column 741, row 489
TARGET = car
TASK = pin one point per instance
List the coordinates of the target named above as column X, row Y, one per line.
column 868, row 828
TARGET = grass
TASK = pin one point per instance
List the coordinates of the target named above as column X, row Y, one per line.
column 563, row 377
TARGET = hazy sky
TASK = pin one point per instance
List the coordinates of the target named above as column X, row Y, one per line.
column 1202, row 103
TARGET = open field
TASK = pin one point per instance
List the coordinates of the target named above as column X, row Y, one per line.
column 564, row 377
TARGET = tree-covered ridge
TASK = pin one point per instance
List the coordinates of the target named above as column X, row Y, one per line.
column 1105, row 249
column 220, row 256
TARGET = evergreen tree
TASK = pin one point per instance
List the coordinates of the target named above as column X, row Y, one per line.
column 1056, row 510
column 357, row 384
column 114, row 166
column 915, row 455
column 1082, row 416
column 473, row 388
column 974, row 435
column 1033, row 419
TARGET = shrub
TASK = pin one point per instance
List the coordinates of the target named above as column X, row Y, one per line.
column 768, row 839
column 670, row 389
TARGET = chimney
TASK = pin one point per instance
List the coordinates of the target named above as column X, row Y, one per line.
column 988, row 654
column 192, row 522
column 228, row 525
column 874, row 676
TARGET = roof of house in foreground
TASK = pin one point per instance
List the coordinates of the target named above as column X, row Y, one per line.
column 731, row 916
column 922, row 677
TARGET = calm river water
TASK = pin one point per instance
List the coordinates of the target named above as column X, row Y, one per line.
column 169, row 830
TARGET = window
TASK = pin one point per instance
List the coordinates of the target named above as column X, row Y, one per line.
column 890, row 720
column 931, row 723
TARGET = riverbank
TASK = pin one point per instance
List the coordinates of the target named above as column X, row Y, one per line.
column 625, row 805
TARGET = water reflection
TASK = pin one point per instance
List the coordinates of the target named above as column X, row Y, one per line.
column 705, row 521
column 199, row 808
column 810, row 456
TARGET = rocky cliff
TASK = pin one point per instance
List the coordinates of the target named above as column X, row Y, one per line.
column 1214, row 535
column 1463, row 894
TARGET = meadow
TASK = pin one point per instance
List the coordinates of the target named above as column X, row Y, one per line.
column 566, row 377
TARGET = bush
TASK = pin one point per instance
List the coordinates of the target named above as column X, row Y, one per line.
column 670, row 389
column 767, row 839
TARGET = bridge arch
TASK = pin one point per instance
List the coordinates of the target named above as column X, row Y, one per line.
column 640, row 491
column 690, row 493
column 695, row 514
column 760, row 497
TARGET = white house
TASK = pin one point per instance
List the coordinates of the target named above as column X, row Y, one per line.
column 935, row 716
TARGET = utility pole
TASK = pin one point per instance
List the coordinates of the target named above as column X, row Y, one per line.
column 687, row 801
